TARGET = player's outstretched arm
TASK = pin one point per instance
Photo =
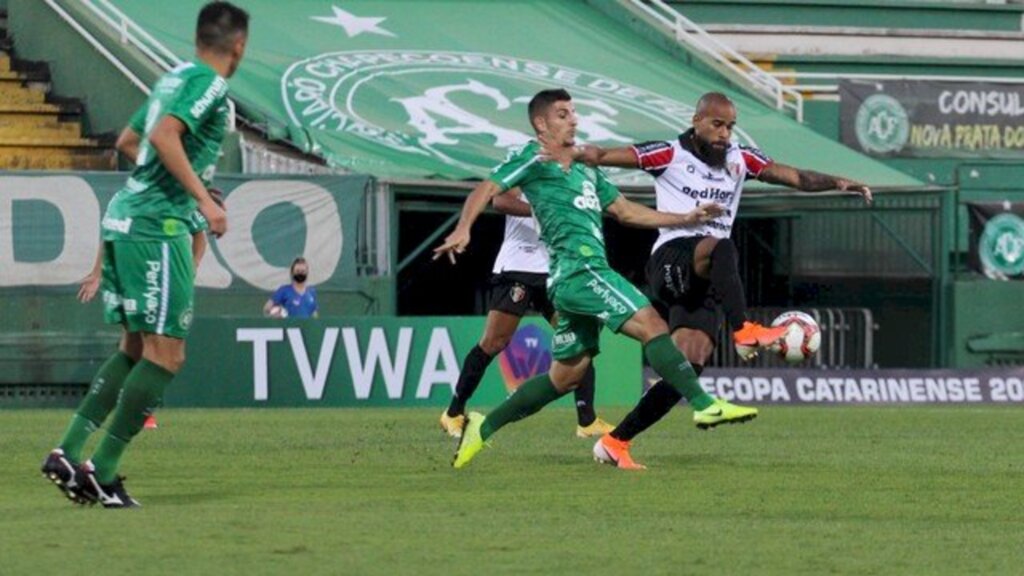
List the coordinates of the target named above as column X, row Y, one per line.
column 166, row 140
column 623, row 157
column 811, row 181
column 510, row 203
column 477, row 201
column 637, row 215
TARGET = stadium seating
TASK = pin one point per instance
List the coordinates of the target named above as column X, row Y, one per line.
column 38, row 130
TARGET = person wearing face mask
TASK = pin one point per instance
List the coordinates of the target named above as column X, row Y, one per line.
column 295, row 300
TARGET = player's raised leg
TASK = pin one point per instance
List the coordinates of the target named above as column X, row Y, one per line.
column 717, row 260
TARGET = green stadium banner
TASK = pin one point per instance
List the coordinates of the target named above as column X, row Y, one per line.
column 382, row 361
column 797, row 386
column 49, row 236
column 933, row 118
column 50, row 230
column 439, row 88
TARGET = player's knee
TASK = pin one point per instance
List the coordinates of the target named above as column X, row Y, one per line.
column 567, row 376
column 694, row 344
column 724, row 253
column 173, row 361
column 493, row 344
column 652, row 325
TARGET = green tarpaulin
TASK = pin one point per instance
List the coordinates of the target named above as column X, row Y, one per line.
column 438, row 88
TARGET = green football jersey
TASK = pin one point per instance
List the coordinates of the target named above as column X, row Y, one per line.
column 566, row 204
column 153, row 205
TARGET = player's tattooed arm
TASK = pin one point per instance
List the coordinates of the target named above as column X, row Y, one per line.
column 811, row 181
column 511, row 204
column 636, row 215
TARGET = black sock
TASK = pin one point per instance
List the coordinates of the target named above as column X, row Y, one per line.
column 653, row 405
column 473, row 368
column 725, row 279
column 585, row 414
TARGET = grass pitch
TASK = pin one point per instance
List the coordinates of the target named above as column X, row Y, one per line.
column 859, row 490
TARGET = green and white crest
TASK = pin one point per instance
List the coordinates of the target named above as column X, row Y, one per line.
column 466, row 108
column 882, row 124
column 1001, row 247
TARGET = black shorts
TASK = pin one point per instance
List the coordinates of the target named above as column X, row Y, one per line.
column 517, row 293
column 684, row 299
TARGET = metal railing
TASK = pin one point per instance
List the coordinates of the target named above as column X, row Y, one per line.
column 720, row 56
column 258, row 159
column 114, row 60
column 804, row 82
column 130, row 33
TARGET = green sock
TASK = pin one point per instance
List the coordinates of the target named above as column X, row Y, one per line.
column 671, row 365
column 97, row 404
column 143, row 391
column 534, row 394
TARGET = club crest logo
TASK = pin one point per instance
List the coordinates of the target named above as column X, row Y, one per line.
column 517, row 293
column 526, row 356
column 1001, row 247
column 882, row 125
column 464, row 108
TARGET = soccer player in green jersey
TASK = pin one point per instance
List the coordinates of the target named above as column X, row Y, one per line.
column 568, row 199
column 148, row 270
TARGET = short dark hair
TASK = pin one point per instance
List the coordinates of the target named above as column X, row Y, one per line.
column 543, row 100
column 219, row 25
column 298, row 260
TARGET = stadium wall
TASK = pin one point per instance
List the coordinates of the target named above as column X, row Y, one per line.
column 78, row 70
column 988, row 323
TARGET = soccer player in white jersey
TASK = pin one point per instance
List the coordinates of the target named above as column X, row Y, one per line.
column 518, row 286
column 693, row 273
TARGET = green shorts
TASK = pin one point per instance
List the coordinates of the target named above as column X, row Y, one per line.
column 148, row 286
column 585, row 300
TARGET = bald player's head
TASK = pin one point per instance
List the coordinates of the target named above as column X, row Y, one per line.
column 713, row 122
column 712, row 101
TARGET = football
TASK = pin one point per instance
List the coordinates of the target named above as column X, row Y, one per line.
column 802, row 339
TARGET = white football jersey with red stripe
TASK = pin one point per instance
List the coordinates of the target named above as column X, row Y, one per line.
column 682, row 181
column 522, row 250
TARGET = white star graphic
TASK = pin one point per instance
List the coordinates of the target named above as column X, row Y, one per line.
column 354, row 25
